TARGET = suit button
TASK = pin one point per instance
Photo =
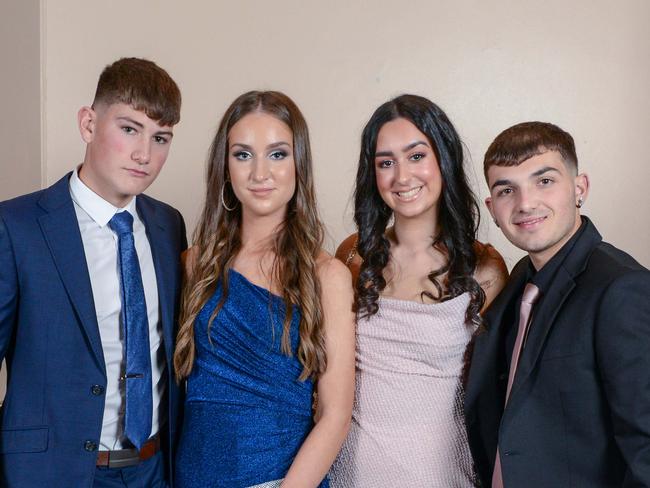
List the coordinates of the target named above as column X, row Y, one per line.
column 90, row 446
column 97, row 390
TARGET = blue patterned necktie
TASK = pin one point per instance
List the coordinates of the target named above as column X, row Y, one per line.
column 139, row 404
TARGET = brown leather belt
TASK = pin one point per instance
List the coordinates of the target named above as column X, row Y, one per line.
column 123, row 458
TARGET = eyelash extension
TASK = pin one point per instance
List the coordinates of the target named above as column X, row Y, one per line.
column 279, row 153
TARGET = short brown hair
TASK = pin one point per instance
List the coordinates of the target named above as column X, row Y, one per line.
column 144, row 86
column 523, row 141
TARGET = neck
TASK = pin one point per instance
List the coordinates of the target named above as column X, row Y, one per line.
column 539, row 259
column 415, row 234
column 257, row 233
column 88, row 179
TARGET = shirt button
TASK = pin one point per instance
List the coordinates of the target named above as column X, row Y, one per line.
column 90, row 446
column 97, row 390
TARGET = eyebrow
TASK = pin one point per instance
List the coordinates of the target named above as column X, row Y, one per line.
column 270, row 146
column 141, row 126
column 539, row 172
column 406, row 148
column 131, row 121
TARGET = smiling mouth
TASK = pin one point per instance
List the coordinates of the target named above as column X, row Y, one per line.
column 531, row 222
column 409, row 194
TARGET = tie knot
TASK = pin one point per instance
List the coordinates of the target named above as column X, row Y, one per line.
column 531, row 292
column 121, row 223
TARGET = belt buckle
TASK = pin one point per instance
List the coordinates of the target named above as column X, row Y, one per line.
column 123, row 458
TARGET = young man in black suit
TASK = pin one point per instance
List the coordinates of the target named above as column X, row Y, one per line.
column 558, row 393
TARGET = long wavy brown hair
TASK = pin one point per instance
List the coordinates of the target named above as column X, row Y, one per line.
column 217, row 240
column 458, row 214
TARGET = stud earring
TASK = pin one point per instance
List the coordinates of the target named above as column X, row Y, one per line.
column 580, row 202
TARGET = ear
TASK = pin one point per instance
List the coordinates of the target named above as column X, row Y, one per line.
column 488, row 204
column 86, row 119
column 581, row 188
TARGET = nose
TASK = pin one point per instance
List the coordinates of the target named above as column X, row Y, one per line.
column 142, row 153
column 261, row 170
column 402, row 174
column 526, row 201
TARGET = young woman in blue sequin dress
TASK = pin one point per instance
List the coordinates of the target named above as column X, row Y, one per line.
column 267, row 314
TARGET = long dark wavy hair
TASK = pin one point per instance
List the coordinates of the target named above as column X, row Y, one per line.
column 296, row 246
column 458, row 213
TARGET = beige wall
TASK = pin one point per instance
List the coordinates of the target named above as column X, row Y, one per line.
column 20, row 99
column 581, row 64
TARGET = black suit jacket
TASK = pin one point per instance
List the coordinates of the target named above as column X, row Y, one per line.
column 51, row 419
column 579, row 409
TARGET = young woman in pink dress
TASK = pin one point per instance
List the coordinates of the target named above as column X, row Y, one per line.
column 421, row 285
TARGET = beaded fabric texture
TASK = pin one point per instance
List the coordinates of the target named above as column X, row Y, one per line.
column 407, row 422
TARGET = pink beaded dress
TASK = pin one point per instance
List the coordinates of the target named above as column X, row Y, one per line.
column 407, row 422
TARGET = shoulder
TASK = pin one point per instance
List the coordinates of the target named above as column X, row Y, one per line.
column 613, row 270
column 171, row 218
column 491, row 271
column 347, row 254
column 159, row 206
column 18, row 206
column 347, row 250
column 612, row 260
column 189, row 258
column 331, row 271
column 490, row 267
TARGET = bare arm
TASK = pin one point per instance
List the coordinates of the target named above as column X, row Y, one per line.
column 188, row 261
column 348, row 255
column 335, row 386
column 491, row 272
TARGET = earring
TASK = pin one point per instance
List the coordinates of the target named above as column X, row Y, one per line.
column 223, row 201
column 580, row 202
column 496, row 223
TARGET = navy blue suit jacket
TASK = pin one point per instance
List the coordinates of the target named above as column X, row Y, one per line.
column 51, row 418
column 579, row 408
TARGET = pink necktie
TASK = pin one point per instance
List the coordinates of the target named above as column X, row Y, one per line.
column 531, row 292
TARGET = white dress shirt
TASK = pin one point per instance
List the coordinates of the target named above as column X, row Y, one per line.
column 101, row 248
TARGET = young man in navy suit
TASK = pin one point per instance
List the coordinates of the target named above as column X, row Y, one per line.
column 558, row 393
column 89, row 287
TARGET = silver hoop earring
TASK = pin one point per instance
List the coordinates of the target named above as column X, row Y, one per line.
column 223, row 201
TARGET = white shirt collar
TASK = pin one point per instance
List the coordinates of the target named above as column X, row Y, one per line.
column 95, row 206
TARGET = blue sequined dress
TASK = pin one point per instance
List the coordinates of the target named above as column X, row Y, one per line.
column 246, row 412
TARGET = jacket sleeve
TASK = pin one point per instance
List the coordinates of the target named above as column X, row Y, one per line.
column 623, row 355
column 8, row 289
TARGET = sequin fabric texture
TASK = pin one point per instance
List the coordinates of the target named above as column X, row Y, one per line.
column 407, row 422
column 246, row 412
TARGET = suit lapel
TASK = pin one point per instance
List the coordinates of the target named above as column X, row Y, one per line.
column 61, row 231
column 542, row 321
column 163, row 261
